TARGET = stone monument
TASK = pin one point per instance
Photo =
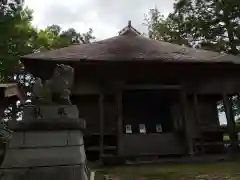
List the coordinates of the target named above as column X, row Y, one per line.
column 48, row 143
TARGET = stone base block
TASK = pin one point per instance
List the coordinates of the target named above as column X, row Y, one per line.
column 45, row 148
column 78, row 172
column 31, row 113
column 40, row 118
column 46, row 145
column 56, row 156
column 31, row 139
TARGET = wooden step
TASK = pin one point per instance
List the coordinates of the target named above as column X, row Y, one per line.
column 97, row 148
column 98, row 134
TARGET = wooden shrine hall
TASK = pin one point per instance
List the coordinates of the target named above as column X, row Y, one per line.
column 143, row 97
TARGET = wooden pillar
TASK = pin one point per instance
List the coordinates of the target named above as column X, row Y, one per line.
column 184, row 105
column 230, row 122
column 197, row 118
column 14, row 111
column 119, row 121
column 196, row 108
column 101, row 113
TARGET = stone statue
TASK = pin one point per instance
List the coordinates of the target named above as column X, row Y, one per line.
column 57, row 88
column 52, row 112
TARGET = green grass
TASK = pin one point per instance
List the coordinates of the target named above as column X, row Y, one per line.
column 214, row 171
column 226, row 137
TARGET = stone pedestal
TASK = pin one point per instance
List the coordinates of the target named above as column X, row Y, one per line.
column 47, row 144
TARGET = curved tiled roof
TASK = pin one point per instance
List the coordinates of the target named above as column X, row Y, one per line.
column 130, row 47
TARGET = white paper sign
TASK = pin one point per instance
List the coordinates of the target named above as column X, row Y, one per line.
column 159, row 128
column 128, row 129
column 142, row 128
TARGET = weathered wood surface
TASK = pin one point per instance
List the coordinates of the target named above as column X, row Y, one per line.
column 119, row 122
column 101, row 114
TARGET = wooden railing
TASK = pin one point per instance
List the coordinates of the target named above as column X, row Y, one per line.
column 212, row 141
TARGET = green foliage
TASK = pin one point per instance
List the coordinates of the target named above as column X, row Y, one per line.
column 15, row 33
column 165, row 29
column 207, row 24
column 53, row 38
column 18, row 37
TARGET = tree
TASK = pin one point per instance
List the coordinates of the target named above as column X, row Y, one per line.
column 18, row 37
column 71, row 36
column 165, row 29
column 228, row 13
column 207, row 24
column 212, row 24
column 54, row 29
column 15, row 34
column 53, row 38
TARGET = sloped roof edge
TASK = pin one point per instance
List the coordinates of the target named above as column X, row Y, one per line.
column 132, row 48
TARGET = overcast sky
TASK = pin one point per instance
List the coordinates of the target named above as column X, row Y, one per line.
column 105, row 17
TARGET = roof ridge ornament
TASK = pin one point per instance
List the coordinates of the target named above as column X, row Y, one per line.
column 129, row 24
column 128, row 29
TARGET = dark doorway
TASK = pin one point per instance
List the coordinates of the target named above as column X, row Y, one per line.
column 148, row 108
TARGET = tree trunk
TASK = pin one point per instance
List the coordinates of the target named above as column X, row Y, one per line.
column 230, row 32
column 232, row 42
